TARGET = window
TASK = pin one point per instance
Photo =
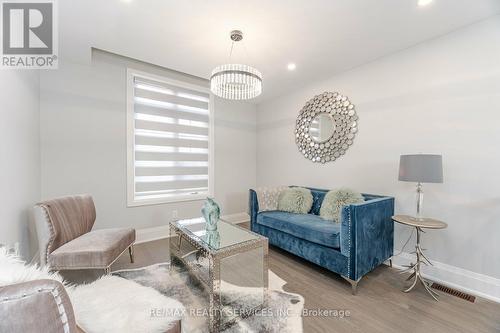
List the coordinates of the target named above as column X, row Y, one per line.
column 169, row 140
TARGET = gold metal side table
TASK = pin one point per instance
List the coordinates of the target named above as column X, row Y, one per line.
column 419, row 224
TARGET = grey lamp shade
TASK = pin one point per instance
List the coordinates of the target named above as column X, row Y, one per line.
column 421, row 168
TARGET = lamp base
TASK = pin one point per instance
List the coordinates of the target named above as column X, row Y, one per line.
column 417, row 218
column 420, row 200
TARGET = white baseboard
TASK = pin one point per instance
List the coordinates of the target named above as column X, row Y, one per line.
column 236, row 218
column 156, row 233
column 145, row 235
column 458, row 278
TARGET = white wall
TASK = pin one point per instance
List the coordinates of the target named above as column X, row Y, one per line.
column 20, row 151
column 443, row 97
column 83, row 140
column 235, row 153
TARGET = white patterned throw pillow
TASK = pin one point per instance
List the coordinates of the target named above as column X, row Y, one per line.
column 268, row 197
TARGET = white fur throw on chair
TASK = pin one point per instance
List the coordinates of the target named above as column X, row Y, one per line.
column 13, row 270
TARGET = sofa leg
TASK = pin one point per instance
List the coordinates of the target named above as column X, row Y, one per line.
column 354, row 288
column 390, row 262
column 131, row 253
column 354, row 284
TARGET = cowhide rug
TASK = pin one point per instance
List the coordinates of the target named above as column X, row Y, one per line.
column 282, row 313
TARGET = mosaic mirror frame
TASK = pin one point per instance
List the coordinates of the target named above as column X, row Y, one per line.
column 344, row 120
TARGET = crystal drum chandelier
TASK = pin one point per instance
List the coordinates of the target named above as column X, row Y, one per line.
column 236, row 81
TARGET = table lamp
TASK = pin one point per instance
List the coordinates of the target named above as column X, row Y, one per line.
column 421, row 168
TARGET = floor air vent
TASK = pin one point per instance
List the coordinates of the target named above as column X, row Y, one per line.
column 454, row 292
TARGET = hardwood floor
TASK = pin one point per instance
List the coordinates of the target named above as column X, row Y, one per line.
column 380, row 306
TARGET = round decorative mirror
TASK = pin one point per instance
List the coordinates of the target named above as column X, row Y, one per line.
column 322, row 127
column 325, row 127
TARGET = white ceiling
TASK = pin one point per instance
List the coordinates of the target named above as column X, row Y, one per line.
column 322, row 37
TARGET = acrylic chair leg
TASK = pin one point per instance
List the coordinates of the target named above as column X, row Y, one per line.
column 131, row 253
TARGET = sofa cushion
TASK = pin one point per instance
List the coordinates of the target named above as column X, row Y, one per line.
column 306, row 226
column 267, row 197
column 96, row 249
column 295, row 200
column 336, row 199
column 318, row 196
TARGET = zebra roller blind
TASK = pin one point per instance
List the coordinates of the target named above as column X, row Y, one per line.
column 171, row 141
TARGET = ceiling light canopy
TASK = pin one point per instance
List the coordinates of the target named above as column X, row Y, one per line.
column 291, row 66
column 236, row 81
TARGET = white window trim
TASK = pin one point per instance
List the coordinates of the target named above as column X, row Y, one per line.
column 131, row 201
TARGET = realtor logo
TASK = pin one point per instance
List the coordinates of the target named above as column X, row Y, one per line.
column 29, row 36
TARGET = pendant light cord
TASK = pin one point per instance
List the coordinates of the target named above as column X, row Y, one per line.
column 246, row 52
column 231, row 52
column 244, row 48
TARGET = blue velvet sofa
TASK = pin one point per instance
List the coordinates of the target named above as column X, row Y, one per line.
column 360, row 242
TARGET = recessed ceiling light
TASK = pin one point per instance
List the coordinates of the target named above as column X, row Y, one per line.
column 423, row 3
column 291, row 66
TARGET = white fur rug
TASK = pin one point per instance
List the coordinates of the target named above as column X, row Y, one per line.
column 108, row 305
column 112, row 304
column 283, row 312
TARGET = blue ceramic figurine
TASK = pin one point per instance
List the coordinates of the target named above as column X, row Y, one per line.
column 211, row 213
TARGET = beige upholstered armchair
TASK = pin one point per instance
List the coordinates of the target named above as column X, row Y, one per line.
column 66, row 239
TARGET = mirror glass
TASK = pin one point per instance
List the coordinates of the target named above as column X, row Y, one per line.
column 322, row 127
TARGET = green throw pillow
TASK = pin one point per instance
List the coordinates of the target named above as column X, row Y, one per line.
column 332, row 204
column 295, row 200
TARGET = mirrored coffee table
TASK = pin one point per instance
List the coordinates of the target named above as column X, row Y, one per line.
column 231, row 264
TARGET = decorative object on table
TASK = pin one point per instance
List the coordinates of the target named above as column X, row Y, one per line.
column 212, row 237
column 236, row 81
column 295, row 200
column 325, row 127
column 421, row 168
column 416, row 274
column 211, row 213
column 212, row 267
column 334, row 200
column 363, row 239
column 178, row 284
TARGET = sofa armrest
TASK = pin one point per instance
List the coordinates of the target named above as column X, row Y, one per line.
column 253, row 206
column 36, row 306
column 367, row 235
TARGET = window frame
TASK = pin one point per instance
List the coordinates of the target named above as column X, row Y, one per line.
column 131, row 200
